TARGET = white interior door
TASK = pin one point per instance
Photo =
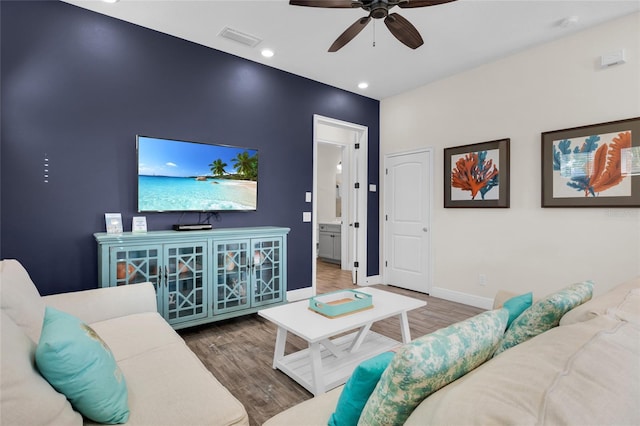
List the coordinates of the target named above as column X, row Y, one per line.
column 407, row 195
column 357, row 226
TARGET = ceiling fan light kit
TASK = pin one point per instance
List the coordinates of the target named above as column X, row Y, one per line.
column 400, row 27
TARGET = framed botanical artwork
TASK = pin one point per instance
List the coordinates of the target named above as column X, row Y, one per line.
column 477, row 175
column 592, row 166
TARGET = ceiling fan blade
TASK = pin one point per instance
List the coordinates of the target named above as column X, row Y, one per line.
column 349, row 34
column 324, row 3
column 422, row 3
column 403, row 30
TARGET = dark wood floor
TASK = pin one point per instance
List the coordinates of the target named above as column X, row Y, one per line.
column 239, row 352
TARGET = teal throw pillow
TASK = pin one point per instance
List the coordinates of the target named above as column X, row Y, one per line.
column 358, row 388
column 517, row 305
column 78, row 363
column 545, row 314
column 431, row 362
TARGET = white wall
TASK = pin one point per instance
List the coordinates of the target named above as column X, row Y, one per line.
column 549, row 87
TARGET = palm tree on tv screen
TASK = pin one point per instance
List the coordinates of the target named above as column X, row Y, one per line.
column 217, row 167
column 246, row 165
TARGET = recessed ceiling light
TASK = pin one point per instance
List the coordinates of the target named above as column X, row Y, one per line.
column 363, row 85
column 111, row 1
column 267, row 53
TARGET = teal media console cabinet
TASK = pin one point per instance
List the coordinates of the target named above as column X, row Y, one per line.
column 200, row 276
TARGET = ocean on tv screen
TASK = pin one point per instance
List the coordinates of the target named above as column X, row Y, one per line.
column 165, row 193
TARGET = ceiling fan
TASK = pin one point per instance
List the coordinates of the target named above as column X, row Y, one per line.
column 402, row 29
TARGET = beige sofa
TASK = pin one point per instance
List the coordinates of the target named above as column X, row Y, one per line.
column 166, row 383
column 584, row 372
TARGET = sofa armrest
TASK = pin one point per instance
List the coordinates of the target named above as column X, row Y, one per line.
column 105, row 303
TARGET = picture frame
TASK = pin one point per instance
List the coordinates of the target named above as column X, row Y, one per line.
column 597, row 165
column 113, row 222
column 139, row 224
column 468, row 185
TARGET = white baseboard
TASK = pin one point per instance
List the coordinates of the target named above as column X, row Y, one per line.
column 467, row 299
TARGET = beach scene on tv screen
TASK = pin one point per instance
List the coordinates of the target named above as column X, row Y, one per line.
column 183, row 176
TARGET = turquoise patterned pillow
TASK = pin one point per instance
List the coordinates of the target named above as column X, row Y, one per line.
column 545, row 314
column 431, row 362
column 78, row 363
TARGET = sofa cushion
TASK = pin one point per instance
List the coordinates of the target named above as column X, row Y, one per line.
column 545, row 314
column 154, row 359
column 599, row 305
column 19, row 298
column 358, row 389
column 26, row 397
column 314, row 412
column 629, row 309
column 431, row 362
column 517, row 305
column 528, row 384
column 136, row 334
column 78, row 363
column 611, row 388
column 170, row 386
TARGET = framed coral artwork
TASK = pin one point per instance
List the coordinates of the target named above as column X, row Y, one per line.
column 477, row 175
column 592, row 166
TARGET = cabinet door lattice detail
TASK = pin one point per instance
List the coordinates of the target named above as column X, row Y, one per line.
column 136, row 265
column 232, row 276
column 185, row 279
column 267, row 264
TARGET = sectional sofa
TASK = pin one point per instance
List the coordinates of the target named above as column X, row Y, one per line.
column 158, row 380
column 583, row 371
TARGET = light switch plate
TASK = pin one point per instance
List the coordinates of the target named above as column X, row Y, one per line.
column 307, row 197
column 372, row 187
column 306, row 216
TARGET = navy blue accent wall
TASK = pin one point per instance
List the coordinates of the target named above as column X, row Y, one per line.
column 78, row 86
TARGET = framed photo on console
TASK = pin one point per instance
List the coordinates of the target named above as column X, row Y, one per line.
column 477, row 175
column 139, row 224
column 592, row 166
column 113, row 222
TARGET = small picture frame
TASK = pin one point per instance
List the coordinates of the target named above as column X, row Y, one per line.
column 477, row 175
column 113, row 222
column 592, row 166
column 139, row 224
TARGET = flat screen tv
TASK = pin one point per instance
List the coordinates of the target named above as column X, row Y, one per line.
column 183, row 176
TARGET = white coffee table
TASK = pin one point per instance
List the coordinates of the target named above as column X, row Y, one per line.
column 329, row 361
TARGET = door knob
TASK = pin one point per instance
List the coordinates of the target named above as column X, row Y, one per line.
column 425, row 229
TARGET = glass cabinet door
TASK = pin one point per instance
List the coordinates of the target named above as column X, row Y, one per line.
column 231, row 276
column 185, row 282
column 136, row 264
column 267, row 271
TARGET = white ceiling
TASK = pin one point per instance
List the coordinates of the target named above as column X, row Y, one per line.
column 458, row 36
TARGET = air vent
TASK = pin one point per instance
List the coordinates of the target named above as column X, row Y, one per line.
column 240, row 37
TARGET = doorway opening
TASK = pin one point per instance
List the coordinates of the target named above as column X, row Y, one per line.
column 339, row 197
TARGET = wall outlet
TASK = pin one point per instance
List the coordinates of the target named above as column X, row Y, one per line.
column 482, row 279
